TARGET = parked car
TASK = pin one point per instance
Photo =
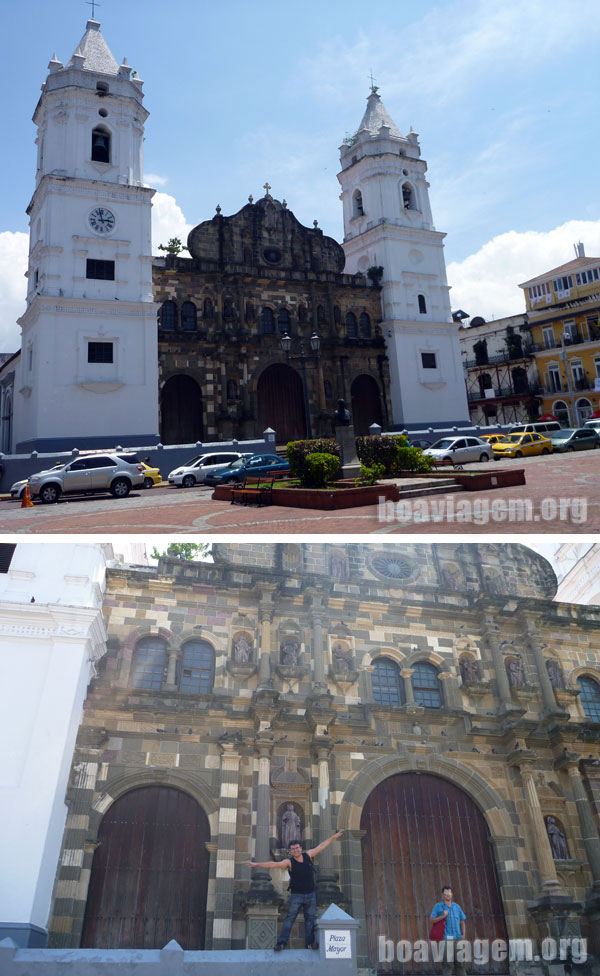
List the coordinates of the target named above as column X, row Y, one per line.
column 491, row 438
column 152, row 476
column 594, row 423
column 575, row 439
column 460, row 450
column 117, row 473
column 18, row 488
column 195, row 471
column 257, row 464
column 420, row 443
column 522, row 445
column 538, row 427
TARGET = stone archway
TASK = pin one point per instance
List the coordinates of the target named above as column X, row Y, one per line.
column 149, row 875
column 181, row 411
column 421, row 832
column 280, row 403
column 366, row 404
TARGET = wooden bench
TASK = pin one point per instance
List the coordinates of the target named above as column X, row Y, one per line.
column 253, row 490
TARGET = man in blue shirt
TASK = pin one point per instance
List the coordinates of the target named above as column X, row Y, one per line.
column 454, row 930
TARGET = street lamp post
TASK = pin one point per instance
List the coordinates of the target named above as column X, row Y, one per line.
column 303, row 357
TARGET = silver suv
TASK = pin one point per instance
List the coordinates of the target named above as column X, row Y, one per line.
column 117, row 473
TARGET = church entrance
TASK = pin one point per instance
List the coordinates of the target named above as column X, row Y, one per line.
column 281, row 403
column 366, row 404
column 150, row 873
column 423, row 832
column 181, row 411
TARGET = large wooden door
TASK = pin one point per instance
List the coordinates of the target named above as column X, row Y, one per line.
column 281, row 403
column 366, row 404
column 149, row 874
column 423, row 832
column 181, row 411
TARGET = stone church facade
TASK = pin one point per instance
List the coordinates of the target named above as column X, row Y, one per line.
column 431, row 701
column 252, row 278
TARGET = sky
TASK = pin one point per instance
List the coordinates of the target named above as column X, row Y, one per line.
column 503, row 94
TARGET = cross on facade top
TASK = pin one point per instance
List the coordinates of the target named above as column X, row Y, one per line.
column 93, row 4
column 374, row 87
column 267, row 187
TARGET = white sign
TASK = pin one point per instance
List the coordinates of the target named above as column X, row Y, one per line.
column 338, row 944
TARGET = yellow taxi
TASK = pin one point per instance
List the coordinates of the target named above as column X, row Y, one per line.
column 152, row 476
column 491, row 438
column 522, row 445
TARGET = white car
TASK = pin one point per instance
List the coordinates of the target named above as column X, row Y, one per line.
column 459, row 450
column 194, row 472
column 18, row 488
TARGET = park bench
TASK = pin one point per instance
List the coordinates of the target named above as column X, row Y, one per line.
column 254, row 489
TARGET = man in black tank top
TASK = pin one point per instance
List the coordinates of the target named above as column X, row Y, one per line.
column 302, row 886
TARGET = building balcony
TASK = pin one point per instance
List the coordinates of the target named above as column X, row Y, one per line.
column 520, row 391
column 501, row 358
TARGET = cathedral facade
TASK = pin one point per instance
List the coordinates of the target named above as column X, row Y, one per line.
column 433, row 702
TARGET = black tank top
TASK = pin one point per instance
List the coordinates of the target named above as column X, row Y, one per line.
column 302, row 876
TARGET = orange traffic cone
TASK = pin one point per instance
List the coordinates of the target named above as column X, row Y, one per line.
column 26, row 500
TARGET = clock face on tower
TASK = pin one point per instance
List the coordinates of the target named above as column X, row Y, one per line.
column 102, row 220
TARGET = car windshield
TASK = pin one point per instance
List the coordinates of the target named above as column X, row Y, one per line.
column 564, row 433
column 239, row 463
column 188, row 464
column 511, row 438
column 443, row 445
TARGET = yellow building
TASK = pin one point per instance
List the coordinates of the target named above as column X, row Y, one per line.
column 563, row 308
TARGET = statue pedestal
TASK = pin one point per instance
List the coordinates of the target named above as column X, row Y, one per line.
column 350, row 463
column 261, row 925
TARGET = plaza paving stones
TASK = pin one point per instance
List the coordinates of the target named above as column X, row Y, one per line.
column 552, row 482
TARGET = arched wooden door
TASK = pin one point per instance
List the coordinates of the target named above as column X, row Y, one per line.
column 423, row 832
column 181, row 411
column 281, row 403
column 150, row 873
column 366, row 404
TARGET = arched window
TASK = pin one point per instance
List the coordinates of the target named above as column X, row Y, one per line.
column 590, row 698
column 149, row 663
column 188, row 317
column 364, row 326
column 351, row 328
column 407, row 197
column 197, row 668
column 357, row 204
column 426, row 685
column 283, row 321
column 388, row 686
column 267, row 321
column 7, row 423
column 168, row 316
column 422, row 304
column 208, row 308
column 100, row 145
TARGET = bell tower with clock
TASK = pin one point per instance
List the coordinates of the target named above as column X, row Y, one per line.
column 88, row 371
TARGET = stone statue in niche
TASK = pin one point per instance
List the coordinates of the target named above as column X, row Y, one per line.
column 516, row 675
column 555, row 673
column 338, row 565
column 450, row 577
column 558, row 841
column 468, row 671
column 492, row 585
column 341, row 658
column 290, row 651
column 291, row 828
column 242, row 649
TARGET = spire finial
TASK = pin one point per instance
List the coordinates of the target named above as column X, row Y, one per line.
column 374, row 88
column 93, row 4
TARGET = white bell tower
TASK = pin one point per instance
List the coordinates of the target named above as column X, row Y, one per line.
column 388, row 224
column 88, row 372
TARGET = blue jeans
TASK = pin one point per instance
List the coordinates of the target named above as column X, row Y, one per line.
column 309, row 904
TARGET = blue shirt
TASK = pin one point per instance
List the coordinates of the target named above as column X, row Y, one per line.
column 453, row 919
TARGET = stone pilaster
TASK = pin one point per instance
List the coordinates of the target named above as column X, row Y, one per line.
column 225, row 861
column 490, row 633
column 264, row 660
column 589, row 831
column 262, row 901
column 327, row 887
column 531, row 636
column 317, row 612
column 171, row 671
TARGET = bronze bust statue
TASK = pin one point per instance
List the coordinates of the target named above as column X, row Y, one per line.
column 342, row 414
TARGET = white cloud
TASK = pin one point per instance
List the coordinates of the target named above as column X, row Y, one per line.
column 487, row 282
column 153, row 179
column 14, row 248
column 167, row 221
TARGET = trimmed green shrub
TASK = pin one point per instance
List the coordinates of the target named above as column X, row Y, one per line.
column 412, row 459
column 371, row 475
column 320, row 470
column 298, row 451
column 380, row 449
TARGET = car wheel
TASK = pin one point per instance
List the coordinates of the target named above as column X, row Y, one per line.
column 148, row 483
column 49, row 494
column 120, row 488
column 570, row 449
column 518, row 453
column 545, row 450
column 484, row 457
column 231, row 481
column 189, row 481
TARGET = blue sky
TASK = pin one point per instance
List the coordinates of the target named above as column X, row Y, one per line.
column 504, row 96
